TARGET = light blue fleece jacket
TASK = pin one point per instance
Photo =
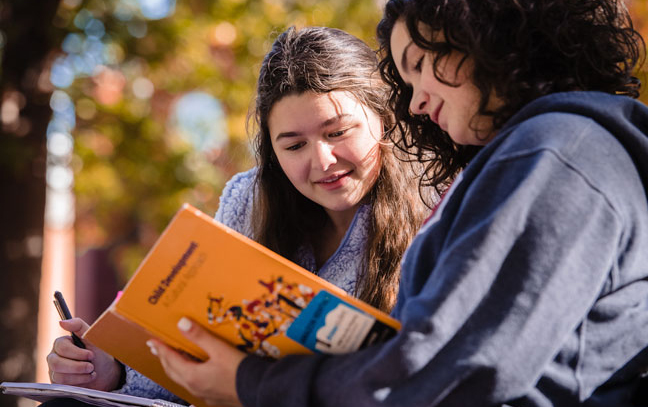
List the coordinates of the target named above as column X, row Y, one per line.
column 529, row 287
column 235, row 210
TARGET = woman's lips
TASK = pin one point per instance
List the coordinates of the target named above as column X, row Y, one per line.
column 333, row 181
column 435, row 115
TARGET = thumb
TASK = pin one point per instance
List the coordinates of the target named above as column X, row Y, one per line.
column 199, row 335
column 75, row 325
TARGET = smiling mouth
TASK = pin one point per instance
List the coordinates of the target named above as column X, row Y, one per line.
column 333, row 178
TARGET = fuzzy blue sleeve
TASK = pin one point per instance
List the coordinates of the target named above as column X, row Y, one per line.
column 236, row 202
column 141, row 386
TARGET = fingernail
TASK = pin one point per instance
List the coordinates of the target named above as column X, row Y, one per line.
column 184, row 324
column 151, row 347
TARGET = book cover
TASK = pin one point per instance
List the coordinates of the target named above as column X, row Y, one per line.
column 243, row 292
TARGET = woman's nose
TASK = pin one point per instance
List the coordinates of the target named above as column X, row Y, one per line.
column 324, row 156
column 419, row 102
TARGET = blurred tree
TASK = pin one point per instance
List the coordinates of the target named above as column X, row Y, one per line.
column 27, row 41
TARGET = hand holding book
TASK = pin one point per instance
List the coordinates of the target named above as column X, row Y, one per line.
column 235, row 289
column 198, row 377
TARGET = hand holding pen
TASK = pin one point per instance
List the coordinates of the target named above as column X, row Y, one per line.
column 80, row 364
column 64, row 312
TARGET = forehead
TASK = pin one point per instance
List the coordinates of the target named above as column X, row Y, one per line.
column 399, row 42
column 311, row 109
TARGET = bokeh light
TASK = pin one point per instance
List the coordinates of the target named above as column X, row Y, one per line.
column 157, row 9
column 60, row 144
column 62, row 74
column 143, row 88
column 200, row 120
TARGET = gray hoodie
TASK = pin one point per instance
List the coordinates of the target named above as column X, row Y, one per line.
column 528, row 287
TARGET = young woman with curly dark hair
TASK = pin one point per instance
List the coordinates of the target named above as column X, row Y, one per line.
column 529, row 285
column 519, row 51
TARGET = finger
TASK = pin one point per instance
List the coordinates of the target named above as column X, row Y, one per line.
column 200, row 336
column 176, row 365
column 59, row 364
column 79, row 327
column 215, row 347
column 72, row 379
column 65, row 347
column 75, row 325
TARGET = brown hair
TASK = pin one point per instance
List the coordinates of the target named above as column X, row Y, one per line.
column 322, row 60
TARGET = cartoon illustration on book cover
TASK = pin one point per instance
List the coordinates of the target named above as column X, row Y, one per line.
column 261, row 318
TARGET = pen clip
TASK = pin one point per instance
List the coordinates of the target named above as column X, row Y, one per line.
column 59, row 309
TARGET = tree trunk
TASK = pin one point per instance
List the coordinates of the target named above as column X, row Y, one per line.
column 30, row 40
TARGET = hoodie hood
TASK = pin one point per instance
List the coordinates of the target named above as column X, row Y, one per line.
column 622, row 116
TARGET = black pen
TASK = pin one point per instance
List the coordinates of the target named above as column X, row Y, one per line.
column 64, row 312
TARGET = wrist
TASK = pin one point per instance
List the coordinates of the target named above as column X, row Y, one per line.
column 122, row 375
column 115, row 378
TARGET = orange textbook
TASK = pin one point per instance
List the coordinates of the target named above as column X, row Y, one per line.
column 243, row 292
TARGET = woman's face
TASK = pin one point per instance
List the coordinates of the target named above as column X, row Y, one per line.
column 328, row 147
column 453, row 108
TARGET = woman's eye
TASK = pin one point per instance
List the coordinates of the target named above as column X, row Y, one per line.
column 338, row 133
column 419, row 64
column 295, row 147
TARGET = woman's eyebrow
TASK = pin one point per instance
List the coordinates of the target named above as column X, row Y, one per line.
column 325, row 123
column 287, row 134
column 334, row 119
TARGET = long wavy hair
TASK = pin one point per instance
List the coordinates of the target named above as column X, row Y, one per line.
column 323, row 60
column 520, row 50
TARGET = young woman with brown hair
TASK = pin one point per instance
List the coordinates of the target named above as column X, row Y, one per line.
column 328, row 191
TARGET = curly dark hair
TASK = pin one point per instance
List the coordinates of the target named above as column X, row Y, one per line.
column 322, row 60
column 520, row 50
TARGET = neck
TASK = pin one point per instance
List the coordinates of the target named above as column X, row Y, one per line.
column 340, row 221
column 331, row 235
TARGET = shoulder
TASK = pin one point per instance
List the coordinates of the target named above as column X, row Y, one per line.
column 576, row 142
column 558, row 131
column 572, row 125
column 237, row 201
column 240, row 185
column 566, row 152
